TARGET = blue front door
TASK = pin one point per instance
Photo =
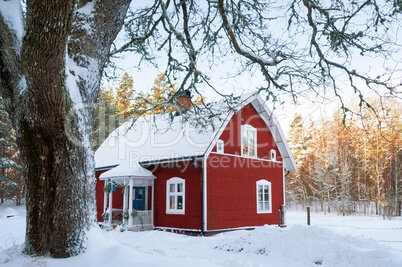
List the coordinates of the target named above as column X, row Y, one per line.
column 139, row 198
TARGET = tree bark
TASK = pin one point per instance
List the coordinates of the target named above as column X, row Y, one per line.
column 62, row 57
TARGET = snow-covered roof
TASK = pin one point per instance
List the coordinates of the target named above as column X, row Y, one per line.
column 158, row 137
column 126, row 170
column 154, row 138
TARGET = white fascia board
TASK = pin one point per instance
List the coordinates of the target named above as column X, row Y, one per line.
column 277, row 133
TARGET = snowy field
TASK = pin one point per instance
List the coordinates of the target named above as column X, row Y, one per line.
column 331, row 241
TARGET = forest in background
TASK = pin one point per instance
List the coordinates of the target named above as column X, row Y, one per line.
column 349, row 165
column 346, row 166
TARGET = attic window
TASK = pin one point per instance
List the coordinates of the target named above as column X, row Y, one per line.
column 220, row 146
column 248, row 140
column 273, row 154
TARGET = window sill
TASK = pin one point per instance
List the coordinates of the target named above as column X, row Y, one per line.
column 248, row 156
column 264, row 211
column 175, row 212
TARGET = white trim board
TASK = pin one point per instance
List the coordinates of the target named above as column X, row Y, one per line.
column 234, row 229
column 176, row 228
column 205, row 196
column 246, row 157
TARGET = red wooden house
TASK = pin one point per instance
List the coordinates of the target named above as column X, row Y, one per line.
column 228, row 174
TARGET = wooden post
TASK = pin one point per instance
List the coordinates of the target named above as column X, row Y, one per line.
column 105, row 199
column 152, row 204
column 130, row 202
column 125, row 202
column 308, row 215
column 110, row 205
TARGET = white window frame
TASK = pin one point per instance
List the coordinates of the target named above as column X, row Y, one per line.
column 264, row 183
column 220, row 146
column 175, row 181
column 248, row 128
column 273, row 154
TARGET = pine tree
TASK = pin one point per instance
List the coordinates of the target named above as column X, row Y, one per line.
column 124, row 94
column 161, row 92
column 296, row 136
column 297, row 181
column 106, row 118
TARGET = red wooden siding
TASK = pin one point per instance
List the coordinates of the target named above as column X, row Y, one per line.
column 117, row 196
column 232, row 191
column 232, row 134
column 231, row 180
column 192, row 175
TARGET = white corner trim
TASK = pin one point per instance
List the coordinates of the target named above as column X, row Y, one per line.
column 205, row 196
column 283, row 184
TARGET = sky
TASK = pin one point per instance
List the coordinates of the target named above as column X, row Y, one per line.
column 311, row 108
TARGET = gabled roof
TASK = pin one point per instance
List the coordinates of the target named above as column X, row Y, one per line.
column 277, row 133
column 158, row 137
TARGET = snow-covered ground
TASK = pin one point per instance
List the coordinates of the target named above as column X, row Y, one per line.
column 386, row 232
column 331, row 240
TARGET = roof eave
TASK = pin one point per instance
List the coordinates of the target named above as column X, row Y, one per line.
column 186, row 158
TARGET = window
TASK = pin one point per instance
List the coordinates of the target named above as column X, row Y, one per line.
column 264, row 198
column 175, row 195
column 273, row 154
column 248, row 140
column 220, row 146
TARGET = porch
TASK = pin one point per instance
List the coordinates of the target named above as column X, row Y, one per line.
column 137, row 186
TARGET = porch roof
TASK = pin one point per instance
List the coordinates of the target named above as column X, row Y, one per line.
column 134, row 170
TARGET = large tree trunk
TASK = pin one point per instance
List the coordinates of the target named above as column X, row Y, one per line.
column 62, row 57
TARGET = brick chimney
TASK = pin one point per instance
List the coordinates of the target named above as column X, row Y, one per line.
column 184, row 98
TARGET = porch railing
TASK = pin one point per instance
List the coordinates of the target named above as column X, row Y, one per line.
column 144, row 217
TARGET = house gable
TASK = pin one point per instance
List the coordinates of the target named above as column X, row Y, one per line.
column 270, row 121
column 231, row 135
